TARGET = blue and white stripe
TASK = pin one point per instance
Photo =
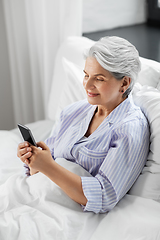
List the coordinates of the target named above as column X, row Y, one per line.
column 115, row 153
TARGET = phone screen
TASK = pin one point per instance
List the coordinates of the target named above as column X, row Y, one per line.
column 27, row 134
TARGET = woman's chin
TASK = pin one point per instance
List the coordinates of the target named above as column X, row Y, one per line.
column 92, row 100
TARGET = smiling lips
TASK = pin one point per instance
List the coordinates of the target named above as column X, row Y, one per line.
column 92, row 94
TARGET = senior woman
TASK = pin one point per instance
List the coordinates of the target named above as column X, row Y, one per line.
column 106, row 133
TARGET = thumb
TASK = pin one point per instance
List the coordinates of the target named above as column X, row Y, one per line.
column 43, row 146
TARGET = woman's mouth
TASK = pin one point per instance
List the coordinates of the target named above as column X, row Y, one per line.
column 92, row 94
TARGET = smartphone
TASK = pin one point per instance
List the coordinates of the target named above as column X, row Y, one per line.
column 27, row 134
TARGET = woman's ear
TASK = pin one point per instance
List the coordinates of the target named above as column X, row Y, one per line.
column 125, row 83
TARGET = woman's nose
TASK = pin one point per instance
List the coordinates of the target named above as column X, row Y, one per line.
column 89, row 84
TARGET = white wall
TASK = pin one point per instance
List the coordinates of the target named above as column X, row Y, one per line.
column 107, row 14
column 6, row 108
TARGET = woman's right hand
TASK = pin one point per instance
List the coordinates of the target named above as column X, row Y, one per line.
column 24, row 152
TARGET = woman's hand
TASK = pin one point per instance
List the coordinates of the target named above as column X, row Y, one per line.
column 40, row 159
column 24, row 152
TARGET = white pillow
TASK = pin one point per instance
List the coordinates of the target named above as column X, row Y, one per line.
column 158, row 86
column 148, row 183
column 73, row 89
column 150, row 72
column 149, row 75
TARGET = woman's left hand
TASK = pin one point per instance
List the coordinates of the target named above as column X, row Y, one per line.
column 41, row 158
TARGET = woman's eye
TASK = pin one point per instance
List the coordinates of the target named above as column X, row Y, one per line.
column 99, row 79
column 86, row 76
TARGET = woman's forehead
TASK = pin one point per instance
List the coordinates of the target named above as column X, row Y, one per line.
column 92, row 66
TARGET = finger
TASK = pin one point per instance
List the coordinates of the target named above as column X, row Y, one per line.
column 23, row 145
column 43, row 146
column 24, row 158
column 23, row 151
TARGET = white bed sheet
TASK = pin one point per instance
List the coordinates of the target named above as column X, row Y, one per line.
column 35, row 208
column 134, row 218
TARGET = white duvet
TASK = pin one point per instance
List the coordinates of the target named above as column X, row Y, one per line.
column 34, row 208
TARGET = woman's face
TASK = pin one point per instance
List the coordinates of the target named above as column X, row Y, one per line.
column 101, row 87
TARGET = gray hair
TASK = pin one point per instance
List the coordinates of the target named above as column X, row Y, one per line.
column 119, row 57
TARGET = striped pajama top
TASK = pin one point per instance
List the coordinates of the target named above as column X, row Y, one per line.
column 114, row 154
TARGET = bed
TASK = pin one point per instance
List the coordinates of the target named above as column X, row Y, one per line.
column 35, row 208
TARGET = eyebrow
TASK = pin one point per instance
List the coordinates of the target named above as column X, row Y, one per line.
column 98, row 74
